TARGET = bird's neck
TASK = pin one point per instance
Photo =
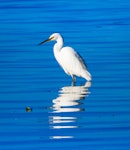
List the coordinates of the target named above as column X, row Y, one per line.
column 58, row 46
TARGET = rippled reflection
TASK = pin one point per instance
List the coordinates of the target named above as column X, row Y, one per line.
column 68, row 101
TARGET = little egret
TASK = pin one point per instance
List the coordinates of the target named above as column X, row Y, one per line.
column 71, row 62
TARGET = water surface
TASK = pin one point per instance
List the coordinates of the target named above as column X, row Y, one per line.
column 39, row 108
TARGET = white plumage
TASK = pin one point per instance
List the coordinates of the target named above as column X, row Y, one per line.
column 71, row 62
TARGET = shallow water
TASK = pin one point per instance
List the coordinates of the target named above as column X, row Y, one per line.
column 39, row 109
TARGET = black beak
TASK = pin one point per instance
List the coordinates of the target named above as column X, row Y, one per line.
column 44, row 41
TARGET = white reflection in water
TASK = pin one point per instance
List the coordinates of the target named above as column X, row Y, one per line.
column 68, row 101
column 69, row 96
column 59, row 137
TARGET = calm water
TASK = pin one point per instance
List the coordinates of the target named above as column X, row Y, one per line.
column 39, row 109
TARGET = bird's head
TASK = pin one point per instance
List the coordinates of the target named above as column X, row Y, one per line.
column 53, row 37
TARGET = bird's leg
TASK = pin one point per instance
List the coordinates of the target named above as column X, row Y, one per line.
column 73, row 80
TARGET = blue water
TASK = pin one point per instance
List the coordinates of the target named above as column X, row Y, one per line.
column 39, row 109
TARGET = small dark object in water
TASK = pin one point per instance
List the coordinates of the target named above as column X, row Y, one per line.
column 28, row 109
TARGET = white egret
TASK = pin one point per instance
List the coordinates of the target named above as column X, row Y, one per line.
column 71, row 62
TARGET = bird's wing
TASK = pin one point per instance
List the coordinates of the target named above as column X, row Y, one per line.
column 80, row 58
column 71, row 61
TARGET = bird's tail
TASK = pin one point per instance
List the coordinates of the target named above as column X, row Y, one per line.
column 87, row 75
